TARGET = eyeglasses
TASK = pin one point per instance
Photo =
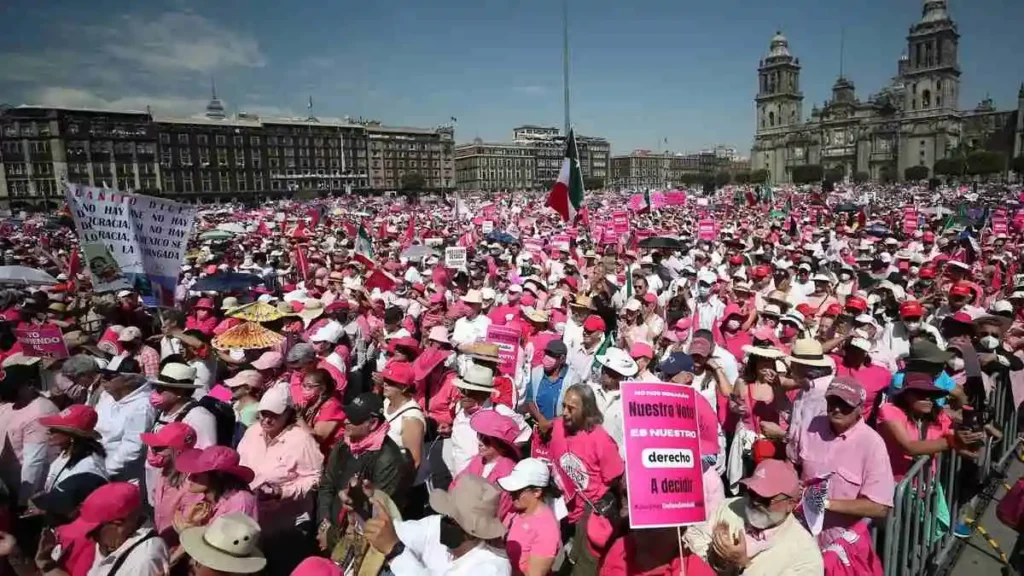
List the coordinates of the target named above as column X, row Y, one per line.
column 763, row 502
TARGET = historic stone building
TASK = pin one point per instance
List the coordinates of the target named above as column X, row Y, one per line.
column 915, row 120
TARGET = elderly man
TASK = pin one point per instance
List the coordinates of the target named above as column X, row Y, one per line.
column 124, row 413
column 473, row 326
column 757, row 534
column 477, row 388
column 78, row 381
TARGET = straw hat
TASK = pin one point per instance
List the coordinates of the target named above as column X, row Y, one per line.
column 311, row 310
column 247, row 336
column 763, row 352
column 808, row 352
column 486, row 351
column 257, row 312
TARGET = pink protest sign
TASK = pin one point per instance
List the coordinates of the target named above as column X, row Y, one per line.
column 706, row 229
column 609, row 237
column 675, row 198
column 533, row 244
column 620, row 222
column 560, row 241
column 46, row 341
column 658, row 200
column 909, row 219
column 636, row 202
column 663, row 460
column 999, row 222
column 507, row 339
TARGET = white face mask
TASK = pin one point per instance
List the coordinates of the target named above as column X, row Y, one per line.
column 913, row 326
column 989, row 342
column 956, row 364
column 760, row 519
column 732, row 325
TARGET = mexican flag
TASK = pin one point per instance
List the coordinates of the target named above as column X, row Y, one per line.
column 647, row 200
column 567, row 194
column 364, row 245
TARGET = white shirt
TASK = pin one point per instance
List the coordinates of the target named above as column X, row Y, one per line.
column 708, row 312
column 609, row 403
column 119, row 423
column 425, row 555
column 204, row 378
column 468, row 331
column 896, row 338
column 408, row 411
column 60, row 470
column 169, row 346
column 149, row 558
column 581, row 360
column 464, row 440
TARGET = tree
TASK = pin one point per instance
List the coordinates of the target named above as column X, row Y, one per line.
column 915, row 173
column 1017, row 165
column 807, row 173
column 985, row 163
column 413, row 181
column 952, row 166
column 593, row 183
column 691, row 178
column 742, row 177
column 759, row 176
column 708, row 183
column 833, row 175
column 861, row 177
column 723, row 179
column 886, row 174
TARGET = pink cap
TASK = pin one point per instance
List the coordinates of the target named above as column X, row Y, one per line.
column 268, row 361
column 213, row 459
column 400, row 373
column 206, row 303
column 772, row 478
column 316, row 566
column 176, row 436
column 108, row 503
column 641, row 350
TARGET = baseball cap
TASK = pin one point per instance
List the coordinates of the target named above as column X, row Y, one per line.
column 400, row 373
column 250, row 378
column 363, row 407
column 641, row 350
column 176, row 436
column 911, row 308
column 556, row 348
column 772, row 478
column 960, row 290
column 129, row 334
column 594, row 323
column 108, row 503
column 277, row 399
column 268, row 361
column 848, row 390
column 527, row 473
column 676, row 362
column 700, row 347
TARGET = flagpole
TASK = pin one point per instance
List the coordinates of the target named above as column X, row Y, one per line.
column 565, row 60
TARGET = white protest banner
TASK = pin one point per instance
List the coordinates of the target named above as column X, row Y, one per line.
column 454, row 257
column 487, row 226
column 433, row 241
column 131, row 241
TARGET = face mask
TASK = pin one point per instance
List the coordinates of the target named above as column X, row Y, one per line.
column 957, row 364
column 989, row 342
column 844, row 277
column 158, row 401
column 451, row 535
column 761, row 519
column 789, row 331
column 913, row 326
column 732, row 325
column 308, row 396
column 703, row 291
column 157, row 460
column 549, row 363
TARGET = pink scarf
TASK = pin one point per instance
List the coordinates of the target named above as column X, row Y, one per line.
column 372, row 441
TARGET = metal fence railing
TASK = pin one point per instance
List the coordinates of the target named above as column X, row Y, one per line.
column 917, row 536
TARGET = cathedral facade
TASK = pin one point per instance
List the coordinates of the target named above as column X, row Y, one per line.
column 913, row 121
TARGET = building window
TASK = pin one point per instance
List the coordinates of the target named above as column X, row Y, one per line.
column 201, row 139
column 222, row 156
column 186, row 156
column 182, row 138
column 257, row 183
column 207, row 182
column 221, row 140
column 926, row 99
column 256, row 162
column 239, row 141
column 165, row 138
column 186, row 181
column 771, row 118
column 239, row 159
column 254, row 141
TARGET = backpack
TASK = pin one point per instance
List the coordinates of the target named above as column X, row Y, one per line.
column 1011, row 508
column 222, row 413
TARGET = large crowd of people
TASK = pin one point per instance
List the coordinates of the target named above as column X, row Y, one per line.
column 327, row 396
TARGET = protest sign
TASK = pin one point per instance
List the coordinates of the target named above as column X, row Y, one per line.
column 454, row 257
column 507, row 340
column 675, row 198
column 487, row 226
column 1000, row 224
column 663, row 460
column 910, row 219
column 433, row 241
column 560, row 241
column 706, row 229
column 637, row 203
column 535, row 245
column 131, row 241
column 45, row 341
column 620, row 222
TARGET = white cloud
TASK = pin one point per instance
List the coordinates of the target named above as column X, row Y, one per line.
column 179, row 42
column 60, row 96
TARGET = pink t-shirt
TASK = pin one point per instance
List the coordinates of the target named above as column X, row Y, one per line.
column 875, row 378
column 854, row 462
column 19, row 429
column 242, row 501
column 588, row 462
column 900, row 460
column 534, row 535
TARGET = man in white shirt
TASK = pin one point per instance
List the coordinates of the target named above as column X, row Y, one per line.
column 616, row 366
column 477, row 387
column 124, row 413
column 708, row 307
column 473, row 326
column 453, row 542
column 126, row 542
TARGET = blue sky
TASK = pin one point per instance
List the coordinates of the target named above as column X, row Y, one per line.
column 643, row 70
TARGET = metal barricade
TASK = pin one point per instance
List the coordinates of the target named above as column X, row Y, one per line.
column 918, row 533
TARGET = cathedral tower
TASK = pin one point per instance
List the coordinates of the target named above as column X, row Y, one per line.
column 779, row 100
column 932, row 74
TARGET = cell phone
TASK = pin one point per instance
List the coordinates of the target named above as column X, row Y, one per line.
column 361, row 504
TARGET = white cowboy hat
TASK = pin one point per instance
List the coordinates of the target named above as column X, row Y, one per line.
column 177, row 375
column 618, row 360
column 473, row 297
column 477, row 378
column 227, row 544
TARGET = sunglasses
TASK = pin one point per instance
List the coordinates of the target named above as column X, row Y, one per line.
column 763, row 502
column 836, row 405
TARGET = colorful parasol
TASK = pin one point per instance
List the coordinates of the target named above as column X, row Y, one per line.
column 257, row 312
column 247, row 336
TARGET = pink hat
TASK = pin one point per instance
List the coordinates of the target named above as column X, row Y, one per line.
column 206, row 303
column 176, row 436
column 106, row 504
column 498, row 426
column 78, row 419
column 268, row 361
column 641, row 350
column 772, row 478
column 316, row 566
column 250, row 378
column 437, row 298
column 213, row 459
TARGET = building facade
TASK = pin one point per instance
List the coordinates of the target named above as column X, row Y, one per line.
column 646, row 169
column 212, row 157
column 914, row 121
column 531, row 161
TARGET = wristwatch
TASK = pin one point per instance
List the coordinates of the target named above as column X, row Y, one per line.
column 396, row 551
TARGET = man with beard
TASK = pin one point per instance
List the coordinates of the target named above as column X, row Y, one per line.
column 757, row 534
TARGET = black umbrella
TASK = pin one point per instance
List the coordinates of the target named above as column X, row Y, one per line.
column 226, row 282
column 665, row 242
column 500, row 237
column 847, row 207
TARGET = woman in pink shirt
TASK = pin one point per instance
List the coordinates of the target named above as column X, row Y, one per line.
column 202, row 317
column 913, row 425
column 855, row 361
column 164, row 446
column 758, row 396
column 533, row 536
column 730, row 332
column 320, row 410
column 497, row 455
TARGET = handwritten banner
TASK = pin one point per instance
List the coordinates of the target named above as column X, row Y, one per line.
column 507, row 339
column 131, row 241
column 663, row 460
column 454, row 257
column 45, row 341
